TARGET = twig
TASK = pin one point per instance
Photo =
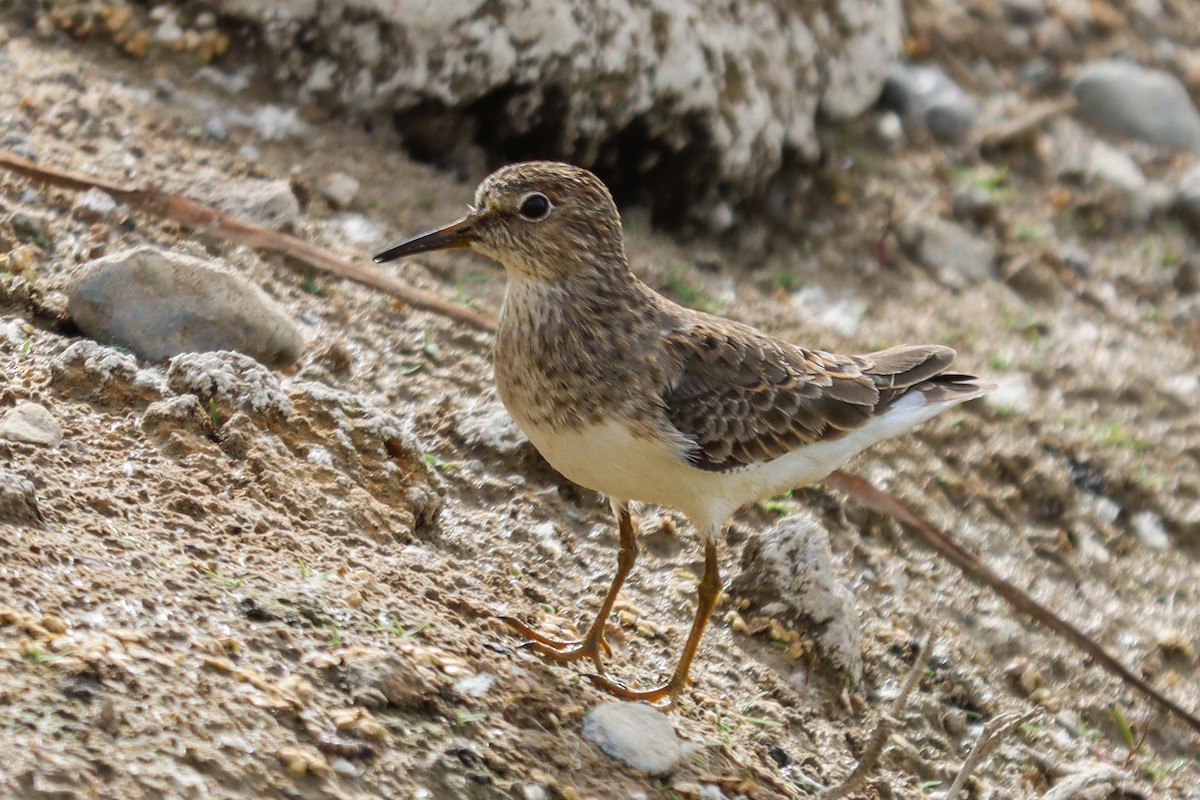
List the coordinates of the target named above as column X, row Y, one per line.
column 976, row 570
column 194, row 215
column 1000, row 135
column 883, row 728
column 995, row 732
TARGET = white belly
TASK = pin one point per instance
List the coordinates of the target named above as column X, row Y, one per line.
column 608, row 458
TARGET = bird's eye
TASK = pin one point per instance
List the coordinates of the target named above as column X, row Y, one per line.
column 535, row 206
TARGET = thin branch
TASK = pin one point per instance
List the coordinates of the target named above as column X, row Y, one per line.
column 883, row 727
column 996, row 731
column 976, row 570
column 194, row 215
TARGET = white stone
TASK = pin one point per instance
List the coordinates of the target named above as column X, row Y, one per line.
column 31, row 423
column 1148, row 528
column 636, row 735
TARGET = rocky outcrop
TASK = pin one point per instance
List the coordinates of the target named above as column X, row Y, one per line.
column 721, row 94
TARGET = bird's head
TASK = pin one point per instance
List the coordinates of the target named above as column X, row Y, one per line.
column 543, row 220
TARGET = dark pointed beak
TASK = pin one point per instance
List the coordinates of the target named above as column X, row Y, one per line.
column 455, row 235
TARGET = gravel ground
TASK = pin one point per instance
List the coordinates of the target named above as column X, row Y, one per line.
column 219, row 580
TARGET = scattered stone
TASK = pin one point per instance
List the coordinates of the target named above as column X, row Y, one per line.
column 303, row 760
column 1148, row 528
column 1187, row 277
column 339, row 189
column 1147, row 104
column 94, row 205
column 31, row 225
column 926, row 97
column 160, row 304
column 954, row 256
column 1075, row 257
column 475, row 685
column 974, row 204
column 841, row 315
column 636, row 735
column 20, row 146
column 1120, row 185
column 486, row 422
column 1186, row 203
column 272, row 123
column 215, row 129
column 18, row 500
column 889, row 127
column 360, row 230
column 176, row 414
column 31, row 423
column 789, row 572
column 270, row 203
column 1024, row 12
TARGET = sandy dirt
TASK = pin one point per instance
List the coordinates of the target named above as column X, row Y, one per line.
column 223, row 600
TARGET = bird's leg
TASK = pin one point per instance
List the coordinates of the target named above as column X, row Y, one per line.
column 564, row 652
column 709, row 591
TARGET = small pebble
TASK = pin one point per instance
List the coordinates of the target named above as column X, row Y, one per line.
column 18, row 500
column 636, row 735
column 31, row 225
column 339, row 189
column 160, row 303
column 1148, row 528
column 31, row 423
column 94, row 205
column 1133, row 100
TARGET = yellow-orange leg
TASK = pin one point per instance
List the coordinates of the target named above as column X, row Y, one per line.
column 564, row 652
column 709, row 591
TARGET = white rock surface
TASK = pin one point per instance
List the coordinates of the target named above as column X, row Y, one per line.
column 728, row 88
column 791, row 566
column 636, row 735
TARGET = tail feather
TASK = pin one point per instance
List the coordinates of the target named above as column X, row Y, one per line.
column 920, row 368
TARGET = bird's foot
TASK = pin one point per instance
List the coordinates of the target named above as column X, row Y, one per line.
column 667, row 691
column 563, row 652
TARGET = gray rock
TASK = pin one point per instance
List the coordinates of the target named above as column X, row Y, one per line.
column 1147, row 104
column 485, row 421
column 1187, row 198
column 18, row 500
column 94, row 205
column 1024, row 12
column 974, row 204
column 339, row 189
column 31, row 225
column 927, row 97
column 31, row 423
column 215, row 129
column 954, row 256
column 724, row 91
column 790, row 571
column 160, row 304
column 1120, row 185
column 270, row 203
column 636, row 735
column 1187, row 277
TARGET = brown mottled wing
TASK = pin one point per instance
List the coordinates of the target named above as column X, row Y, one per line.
column 744, row 397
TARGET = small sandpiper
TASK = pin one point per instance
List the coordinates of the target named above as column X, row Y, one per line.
column 641, row 399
